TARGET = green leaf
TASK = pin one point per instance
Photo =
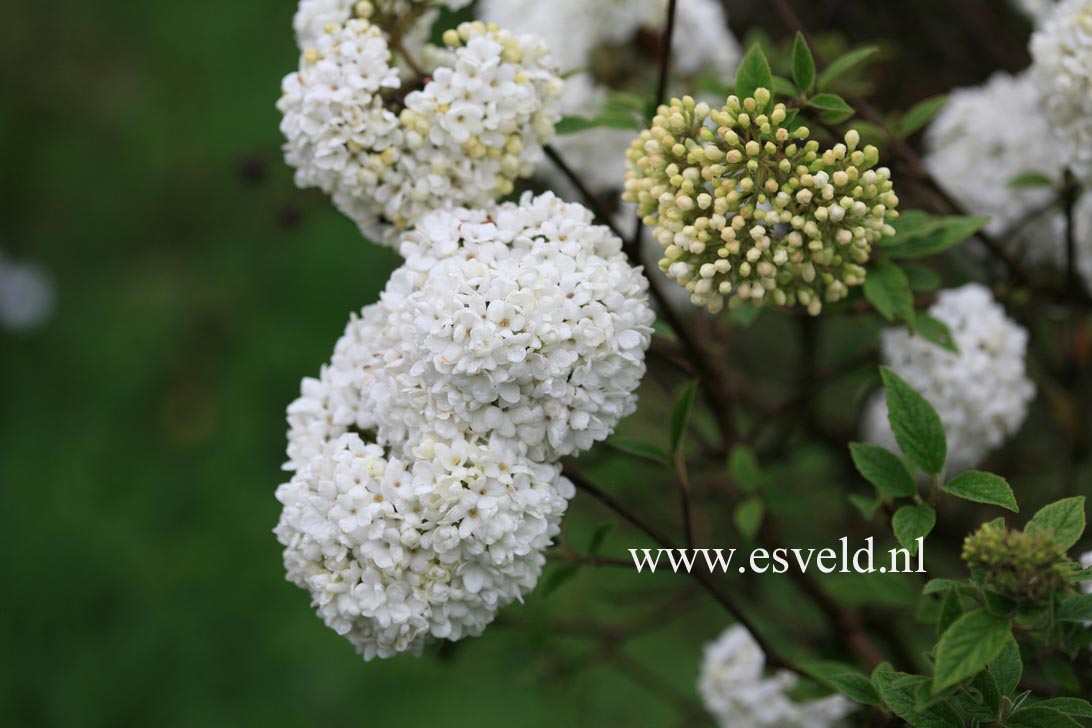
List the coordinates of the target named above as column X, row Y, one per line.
column 744, row 468
column 916, row 425
column 803, row 65
column 935, row 586
column 843, row 678
column 1065, row 518
column 680, row 416
column 915, row 238
column 867, row 506
column 598, row 537
column 920, row 114
column 1075, row 609
column 967, row 646
column 937, row 332
column 830, row 102
column 640, row 449
column 783, row 87
column 1031, row 179
column 888, row 290
column 1039, row 717
column 883, row 469
column 754, row 73
column 950, row 611
column 748, row 517
column 609, row 120
column 980, row 487
column 922, row 278
column 987, row 688
column 845, row 63
column 1007, row 668
column 897, row 690
column 911, row 523
column 1069, row 706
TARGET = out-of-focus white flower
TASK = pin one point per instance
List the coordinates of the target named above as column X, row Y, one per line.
column 983, row 138
column 738, row 695
column 702, row 40
column 1062, row 66
column 981, row 394
column 573, row 28
column 26, row 295
column 475, row 127
column 313, row 16
column 415, row 543
column 524, row 326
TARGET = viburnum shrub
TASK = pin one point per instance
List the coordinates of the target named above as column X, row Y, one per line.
column 434, row 456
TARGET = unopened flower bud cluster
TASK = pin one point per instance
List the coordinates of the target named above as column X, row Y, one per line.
column 389, row 153
column 427, row 483
column 1026, row 567
column 747, row 209
column 738, row 695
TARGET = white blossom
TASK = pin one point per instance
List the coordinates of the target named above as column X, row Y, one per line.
column 397, row 547
column 702, row 40
column 26, row 295
column 1036, row 10
column 1061, row 50
column 981, row 394
column 738, row 695
column 524, row 325
column 475, row 127
column 985, row 137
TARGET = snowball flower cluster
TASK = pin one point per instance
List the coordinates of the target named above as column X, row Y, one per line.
column 1062, row 65
column 524, row 325
column 426, row 485
column 981, row 394
column 314, row 16
column 477, row 124
column 428, row 541
column 736, row 693
column 985, row 137
column 745, row 209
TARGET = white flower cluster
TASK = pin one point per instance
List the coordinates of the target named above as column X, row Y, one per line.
column 736, row 693
column 426, row 483
column 1036, row 10
column 981, row 394
column 26, row 295
column 476, row 126
column 985, row 137
column 314, row 16
column 423, row 542
column 1061, row 50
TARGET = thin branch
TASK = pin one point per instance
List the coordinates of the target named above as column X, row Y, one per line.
column 773, row 656
column 591, row 200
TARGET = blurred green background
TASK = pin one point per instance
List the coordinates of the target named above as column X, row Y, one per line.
column 143, row 426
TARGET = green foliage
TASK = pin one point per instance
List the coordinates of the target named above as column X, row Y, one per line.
column 1031, row 179
column 888, row 290
column 744, row 468
column 748, row 516
column 911, row 523
column 920, row 114
column 919, row 234
column 936, row 331
column 844, row 63
column 803, row 64
column 916, row 425
column 1064, row 518
column 967, row 646
column 884, row 470
column 640, row 449
column 753, row 73
column 974, row 485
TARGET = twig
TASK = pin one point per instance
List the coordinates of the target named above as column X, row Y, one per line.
column 773, row 656
column 591, row 200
